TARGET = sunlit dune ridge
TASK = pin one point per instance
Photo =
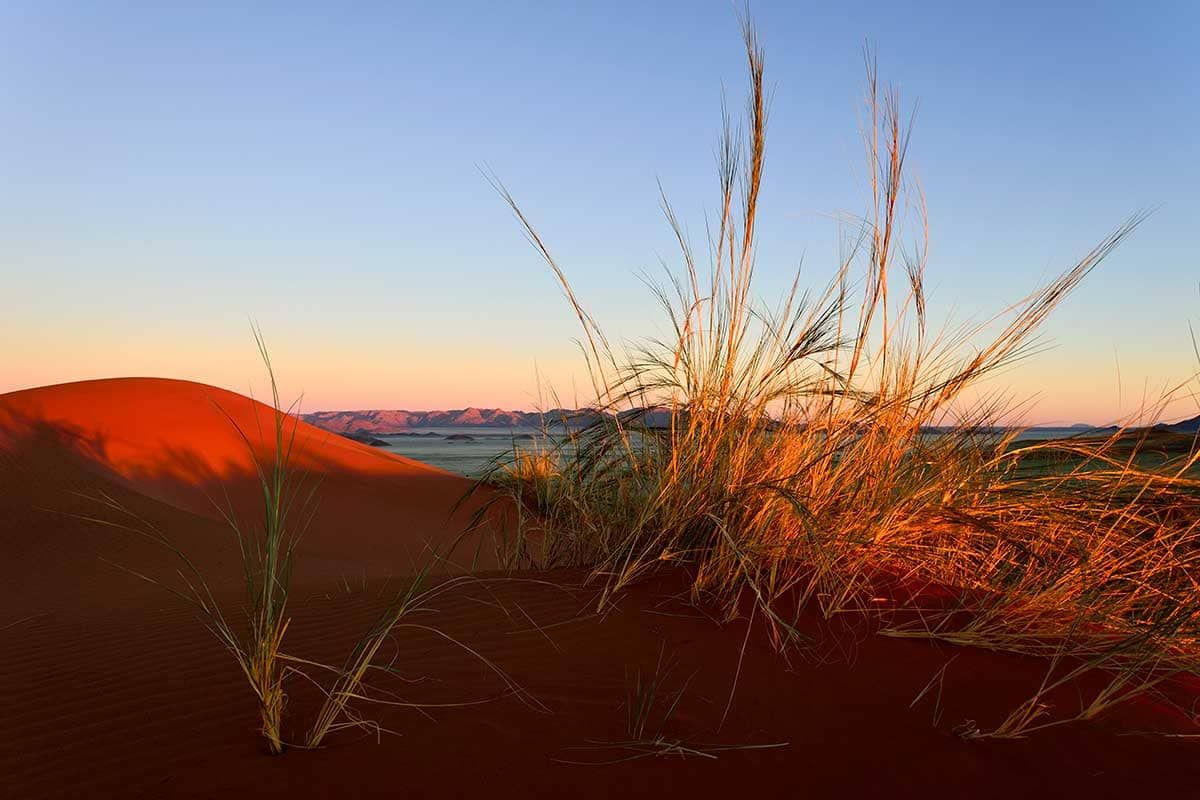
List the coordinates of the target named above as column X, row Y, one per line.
column 163, row 447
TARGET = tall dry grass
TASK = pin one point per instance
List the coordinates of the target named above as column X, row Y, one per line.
column 832, row 452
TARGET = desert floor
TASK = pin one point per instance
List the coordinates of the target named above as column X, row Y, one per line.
column 110, row 686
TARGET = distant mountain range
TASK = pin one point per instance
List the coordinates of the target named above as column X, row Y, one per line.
column 382, row 422
column 385, row 422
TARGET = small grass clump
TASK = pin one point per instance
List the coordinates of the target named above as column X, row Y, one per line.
column 267, row 555
column 832, row 452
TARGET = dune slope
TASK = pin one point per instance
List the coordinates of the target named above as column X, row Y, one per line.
column 171, row 452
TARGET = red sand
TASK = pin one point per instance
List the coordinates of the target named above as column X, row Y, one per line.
column 111, row 688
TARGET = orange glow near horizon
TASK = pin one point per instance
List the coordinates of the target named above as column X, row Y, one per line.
column 1040, row 391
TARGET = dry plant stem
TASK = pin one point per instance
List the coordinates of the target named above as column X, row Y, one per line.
column 836, row 453
column 350, row 683
column 347, row 686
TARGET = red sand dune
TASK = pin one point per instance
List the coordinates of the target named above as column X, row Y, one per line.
column 111, row 688
column 168, row 446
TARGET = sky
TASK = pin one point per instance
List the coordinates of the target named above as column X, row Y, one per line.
column 172, row 171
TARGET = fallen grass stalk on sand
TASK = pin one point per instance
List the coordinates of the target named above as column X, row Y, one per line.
column 645, row 738
column 833, row 454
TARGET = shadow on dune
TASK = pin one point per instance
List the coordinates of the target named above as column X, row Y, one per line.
column 373, row 514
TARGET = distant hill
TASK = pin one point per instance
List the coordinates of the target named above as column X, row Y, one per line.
column 377, row 421
column 1190, row 426
column 1186, row 426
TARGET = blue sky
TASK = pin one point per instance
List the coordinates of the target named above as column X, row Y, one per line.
column 172, row 171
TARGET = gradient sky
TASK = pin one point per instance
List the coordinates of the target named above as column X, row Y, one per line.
column 168, row 173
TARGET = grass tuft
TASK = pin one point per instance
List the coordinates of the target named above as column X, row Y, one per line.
column 836, row 452
column 267, row 553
